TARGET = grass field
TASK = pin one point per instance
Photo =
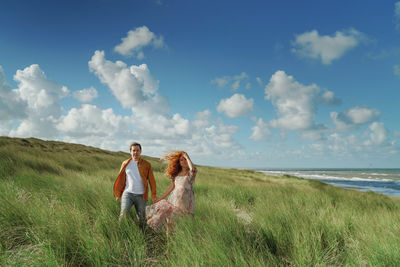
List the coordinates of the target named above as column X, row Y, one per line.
column 57, row 209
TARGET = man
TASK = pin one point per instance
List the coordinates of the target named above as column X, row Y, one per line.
column 131, row 185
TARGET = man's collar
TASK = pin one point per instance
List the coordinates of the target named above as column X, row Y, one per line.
column 139, row 160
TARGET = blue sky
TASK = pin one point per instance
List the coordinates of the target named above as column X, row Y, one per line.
column 234, row 83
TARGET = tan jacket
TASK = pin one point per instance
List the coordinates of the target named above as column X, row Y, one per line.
column 146, row 172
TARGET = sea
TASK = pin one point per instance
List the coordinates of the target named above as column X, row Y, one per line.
column 383, row 181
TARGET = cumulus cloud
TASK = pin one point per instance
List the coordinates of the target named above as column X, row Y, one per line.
column 260, row 131
column 42, row 97
column 235, row 106
column 378, row 134
column 150, row 121
column 202, row 119
column 343, row 144
column 315, row 134
column 359, row 115
column 203, row 139
column 133, row 86
column 349, row 119
column 41, row 94
column 329, row 98
column 85, row 95
column 136, row 40
column 374, row 142
column 89, row 120
column 295, row 103
column 220, row 137
column 234, row 82
column 11, row 105
column 221, row 81
column 324, row 47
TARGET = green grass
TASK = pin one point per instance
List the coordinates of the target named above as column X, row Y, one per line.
column 57, row 209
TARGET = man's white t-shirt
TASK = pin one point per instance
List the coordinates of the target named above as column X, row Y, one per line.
column 134, row 182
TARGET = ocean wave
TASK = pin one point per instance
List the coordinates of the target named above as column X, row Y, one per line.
column 352, row 179
column 328, row 177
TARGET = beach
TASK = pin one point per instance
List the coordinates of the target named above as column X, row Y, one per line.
column 383, row 181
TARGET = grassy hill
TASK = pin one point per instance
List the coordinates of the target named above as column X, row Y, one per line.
column 57, row 209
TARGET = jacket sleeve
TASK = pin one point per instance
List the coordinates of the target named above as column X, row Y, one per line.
column 152, row 182
column 119, row 183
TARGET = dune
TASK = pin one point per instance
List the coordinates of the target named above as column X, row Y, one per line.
column 57, row 209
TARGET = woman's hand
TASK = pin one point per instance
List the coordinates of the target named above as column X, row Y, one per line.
column 190, row 163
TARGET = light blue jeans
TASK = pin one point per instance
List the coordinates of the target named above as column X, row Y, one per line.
column 128, row 200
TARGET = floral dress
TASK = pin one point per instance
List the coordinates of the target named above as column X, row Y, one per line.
column 180, row 202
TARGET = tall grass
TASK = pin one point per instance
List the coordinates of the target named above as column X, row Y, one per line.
column 57, row 209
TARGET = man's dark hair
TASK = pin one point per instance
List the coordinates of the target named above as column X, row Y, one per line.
column 135, row 144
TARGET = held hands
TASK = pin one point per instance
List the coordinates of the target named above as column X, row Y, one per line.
column 118, row 199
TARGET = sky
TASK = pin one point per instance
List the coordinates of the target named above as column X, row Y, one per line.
column 243, row 84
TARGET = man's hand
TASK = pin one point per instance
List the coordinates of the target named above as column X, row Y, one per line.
column 155, row 200
column 118, row 199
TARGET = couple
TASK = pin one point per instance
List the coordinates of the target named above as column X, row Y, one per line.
column 131, row 188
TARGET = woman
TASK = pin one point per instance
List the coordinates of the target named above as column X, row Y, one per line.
column 182, row 173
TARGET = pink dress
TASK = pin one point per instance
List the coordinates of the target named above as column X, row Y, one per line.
column 180, row 202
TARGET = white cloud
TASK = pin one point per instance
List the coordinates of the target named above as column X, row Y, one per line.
column 343, row 144
column 136, row 40
column 136, row 89
column 238, row 79
column 204, row 139
column 359, row 115
column 348, row 120
column 11, row 105
column 378, row 134
column 161, row 126
column 219, row 137
column 149, row 123
column 133, row 86
column 396, row 70
column 374, row 143
column 42, row 97
column 397, row 15
column 86, row 95
column 235, row 106
column 89, row 120
column 295, row 103
column 221, row 81
column 233, row 81
column 36, row 127
column 314, row 134
column 329, row 98
column 236, row 85
column 202, row 119
column 327, row 48
column 260, row 131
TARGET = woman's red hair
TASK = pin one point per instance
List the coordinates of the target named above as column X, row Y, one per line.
column 174, row 167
